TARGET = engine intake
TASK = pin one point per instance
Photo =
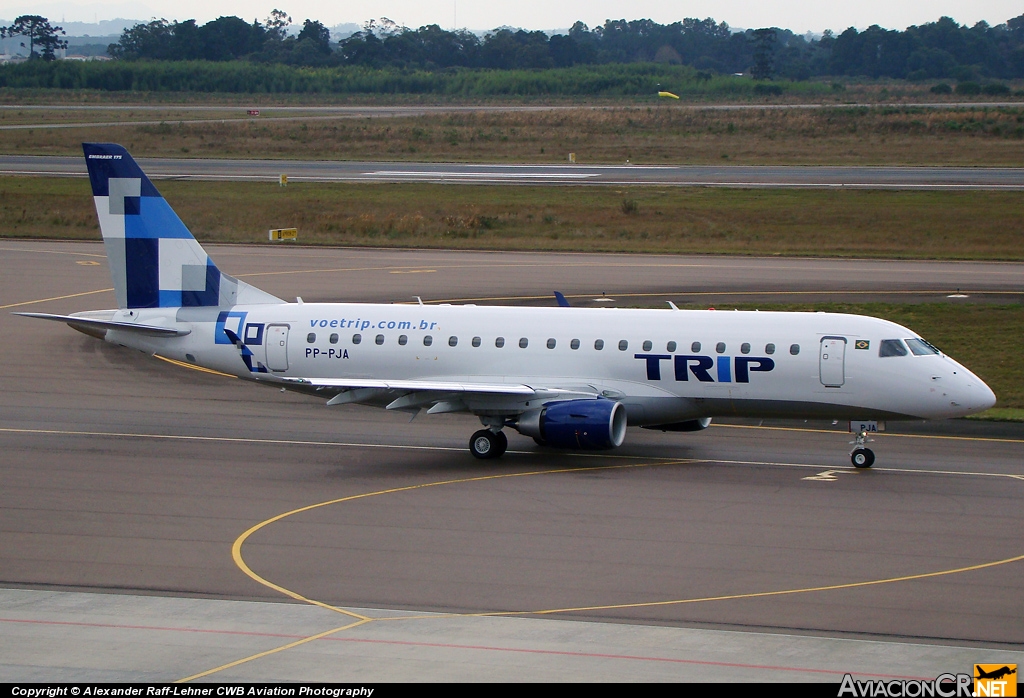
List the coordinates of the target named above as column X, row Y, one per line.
column 580, row 424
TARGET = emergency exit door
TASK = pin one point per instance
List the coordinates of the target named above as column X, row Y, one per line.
column 277, row 347
column 832, row 362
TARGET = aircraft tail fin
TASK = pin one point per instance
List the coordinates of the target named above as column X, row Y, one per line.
column 154, row 259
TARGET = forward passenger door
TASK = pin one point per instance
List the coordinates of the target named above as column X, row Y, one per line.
column 832, row 362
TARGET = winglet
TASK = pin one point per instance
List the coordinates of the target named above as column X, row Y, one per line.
column 561, row 299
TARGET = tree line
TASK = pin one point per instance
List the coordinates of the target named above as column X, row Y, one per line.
column 937, row 50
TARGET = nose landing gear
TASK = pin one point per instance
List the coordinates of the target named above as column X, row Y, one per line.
column 861, row 457
column 486, row 444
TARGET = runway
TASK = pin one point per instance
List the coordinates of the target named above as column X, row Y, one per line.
column 753, row 546
column 832, row 177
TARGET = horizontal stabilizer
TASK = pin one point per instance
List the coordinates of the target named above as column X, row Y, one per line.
column 85, row 324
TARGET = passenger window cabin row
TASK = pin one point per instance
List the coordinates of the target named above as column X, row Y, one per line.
column 574, row 344
column 886, row 347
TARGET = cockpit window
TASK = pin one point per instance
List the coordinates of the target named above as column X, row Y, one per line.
column 919, row 347
column 891, row 347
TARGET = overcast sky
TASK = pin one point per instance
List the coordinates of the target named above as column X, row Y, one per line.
column 798, row 15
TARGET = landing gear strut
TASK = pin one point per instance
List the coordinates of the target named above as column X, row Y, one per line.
column 861, row 457
column 488, row 444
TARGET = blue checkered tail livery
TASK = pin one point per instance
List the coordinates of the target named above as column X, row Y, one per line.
column 154, row 260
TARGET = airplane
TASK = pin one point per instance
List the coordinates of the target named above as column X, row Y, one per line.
column 995, row 674
column 569, row 377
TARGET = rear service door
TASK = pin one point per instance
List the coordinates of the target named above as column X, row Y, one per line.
column 831, row 361
column 277, row 347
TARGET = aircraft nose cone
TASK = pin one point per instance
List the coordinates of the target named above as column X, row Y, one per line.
column 982, row 396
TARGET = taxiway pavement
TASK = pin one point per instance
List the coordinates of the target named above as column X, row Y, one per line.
column 125, row 476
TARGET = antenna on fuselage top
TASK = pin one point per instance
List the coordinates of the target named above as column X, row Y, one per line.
column 672, row 305
column 418, row 300
column 562, row 302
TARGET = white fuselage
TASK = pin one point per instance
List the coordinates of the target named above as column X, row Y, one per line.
column 663, row 365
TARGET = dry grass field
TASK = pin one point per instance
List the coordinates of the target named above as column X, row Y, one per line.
column 837, row 91
column 940, row 225
column 657, row 134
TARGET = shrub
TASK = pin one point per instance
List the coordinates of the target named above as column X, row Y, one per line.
column 996, row 88
column 763, row 88
column 941, row 89
column 968, row 88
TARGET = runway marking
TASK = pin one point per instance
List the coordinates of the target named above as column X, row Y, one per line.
column 267, row 653
column 485, row 176
column 201, row 369
column 670, row 294
column 781, row 592
column 75, row 254
column 236, row 551
column 597, row 456
column 415, row 271
column 229, row 439
column 236, row 548
column 638, row 265
column 602, row 655
column 499, row 178
column 55, row 298
column 157, row 628
column 236, row 554
column 826, row 476
column 295, row 442
column 949, row 437
column 445, row 645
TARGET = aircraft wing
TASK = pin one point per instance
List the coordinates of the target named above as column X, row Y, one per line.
column 437, row 395
column 456, row 394
column 437, row 386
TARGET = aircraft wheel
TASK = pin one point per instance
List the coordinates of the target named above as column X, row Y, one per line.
column 862, row 457
column 486, row 444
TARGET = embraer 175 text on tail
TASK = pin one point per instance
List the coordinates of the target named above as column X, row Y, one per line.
column 568, row 377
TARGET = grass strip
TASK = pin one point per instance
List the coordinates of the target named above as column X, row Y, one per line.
column 656, row 134
column 903, row 224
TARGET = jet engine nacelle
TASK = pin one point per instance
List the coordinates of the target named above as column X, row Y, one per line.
column 582, row 424
column 688, row 425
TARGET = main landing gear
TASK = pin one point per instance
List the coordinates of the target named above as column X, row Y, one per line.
column 861, row 457
column 488, row 444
